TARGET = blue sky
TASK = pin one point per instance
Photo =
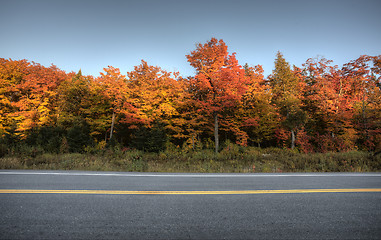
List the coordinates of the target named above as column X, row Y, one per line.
column 91, row 35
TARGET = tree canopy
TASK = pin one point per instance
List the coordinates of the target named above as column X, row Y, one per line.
column 316, row 107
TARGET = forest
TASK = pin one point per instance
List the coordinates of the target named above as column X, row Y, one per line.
column 314, row 108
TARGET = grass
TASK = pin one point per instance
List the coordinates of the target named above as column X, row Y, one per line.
column 232, row 159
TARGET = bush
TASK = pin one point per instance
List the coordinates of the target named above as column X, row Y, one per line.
column 3, row 150
column 78, row 137
column 150, row 139
column 48, row 138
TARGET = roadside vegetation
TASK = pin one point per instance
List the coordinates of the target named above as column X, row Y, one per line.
column 226, row 118
column 231, row 159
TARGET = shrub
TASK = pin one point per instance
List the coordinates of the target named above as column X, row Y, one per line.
column 78, row 138
column 150, row 139
column 48, row 138
column 3, row 150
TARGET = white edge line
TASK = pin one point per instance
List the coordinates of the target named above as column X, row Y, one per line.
column 189, row 175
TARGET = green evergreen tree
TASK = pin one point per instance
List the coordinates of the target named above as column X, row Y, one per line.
column 286, row 96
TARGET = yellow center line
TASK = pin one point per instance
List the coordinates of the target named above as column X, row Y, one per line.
column 37, row 191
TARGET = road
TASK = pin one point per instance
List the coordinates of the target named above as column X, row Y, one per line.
column 108, row 205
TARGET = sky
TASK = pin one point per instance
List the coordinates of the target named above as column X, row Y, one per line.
column 91, row 35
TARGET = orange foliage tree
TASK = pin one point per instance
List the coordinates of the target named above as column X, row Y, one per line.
column 32, row 93
column 342, row 103
column 219, row 83
column 328, row 103
column 12, row 74
column 115, row 89
column 155, row 92
column 363, row 77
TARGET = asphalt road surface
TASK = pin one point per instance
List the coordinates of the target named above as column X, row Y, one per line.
column 107, row 205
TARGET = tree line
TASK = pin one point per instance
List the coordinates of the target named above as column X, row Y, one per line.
column 317, row 107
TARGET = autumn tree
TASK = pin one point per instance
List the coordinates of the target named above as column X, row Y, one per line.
column 331, row 98
column 156, row 93
column 113, row 86
column 82, row 111
column 72, row 94
column 12, row 74
column 219, row 80
column 362, row 76
column 34, row 97
column 187, row 125
column 259, row 118
column 285, row 86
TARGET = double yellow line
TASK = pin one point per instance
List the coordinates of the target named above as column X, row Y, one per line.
column 107, row 192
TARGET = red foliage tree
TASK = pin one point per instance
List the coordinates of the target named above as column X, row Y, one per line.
column 219, row 83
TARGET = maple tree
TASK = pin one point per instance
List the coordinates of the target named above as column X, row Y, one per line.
column 325, row 100
column 363, row 78
column 219, row 82
column 154, row 92
column 114, row 88
column 157, row 94
column 11, row 75
column 34, row 96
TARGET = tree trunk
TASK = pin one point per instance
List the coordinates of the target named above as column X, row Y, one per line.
column 216, row 140
column 292, row 139
column 112, row 124
column 364, row 120
column 193, row 142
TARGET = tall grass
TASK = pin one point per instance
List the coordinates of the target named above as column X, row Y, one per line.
column 232, row 159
